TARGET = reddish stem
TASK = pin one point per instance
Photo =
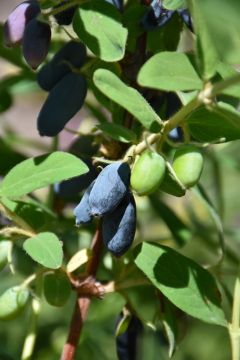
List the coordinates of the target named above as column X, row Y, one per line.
column 82, row 303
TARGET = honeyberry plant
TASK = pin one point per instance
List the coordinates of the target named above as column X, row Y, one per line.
column 127, row 252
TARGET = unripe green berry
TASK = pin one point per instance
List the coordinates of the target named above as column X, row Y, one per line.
column 188, row 165
column 148, row 173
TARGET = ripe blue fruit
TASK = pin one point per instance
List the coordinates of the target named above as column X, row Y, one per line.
column 82, row 211
column 17, row 20
column 156, row 17
column 63, row 102
column 50, row 74
column 119, row 226
column 127, row 342
column 109, row 189
column 36, row 42
column 65, row 17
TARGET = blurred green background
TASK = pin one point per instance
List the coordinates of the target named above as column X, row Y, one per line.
column 220, row 178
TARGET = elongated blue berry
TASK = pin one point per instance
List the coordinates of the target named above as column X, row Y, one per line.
column 110, row 188
column 82, row 211
column 63, row 102
column 71, row 54
column 36, row 42
column 119, row 226
column 17, row 20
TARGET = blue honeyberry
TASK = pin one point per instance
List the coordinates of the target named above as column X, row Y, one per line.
column 71, row 54
column 82, row 210
column 119, row 226
column 17, row 20
column 63, row 102
column 36, row 42
column 110, row 188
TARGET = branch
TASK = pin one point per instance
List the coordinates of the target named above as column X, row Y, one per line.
column 82, row 302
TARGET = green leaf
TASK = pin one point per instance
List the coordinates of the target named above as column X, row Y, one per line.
column 131, row 20
column 169, row 71
column 178, row 228
column 165, row 38
column 143, row 301
column 117, row 132
column 219, row 122
column 46, row 249
column 183, row 282
column 220, row 15
column 57, row 288
column 207, row 54
column 174, row 4
column 98, row 25
column 128, row 97
column 226, row 71
column 32, row 212
column 12, row 302
column 41, row 171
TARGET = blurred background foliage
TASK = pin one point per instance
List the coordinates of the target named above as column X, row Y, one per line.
column 20, row 104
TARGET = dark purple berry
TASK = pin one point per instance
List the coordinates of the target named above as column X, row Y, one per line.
column 36, row 41
column 71, row 54
column 15, row 25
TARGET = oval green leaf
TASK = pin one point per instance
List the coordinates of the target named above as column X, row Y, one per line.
column 98, row 25
column 170, row 71
column 46, row 249
column 186, row 284
column 127, row 97
column 41, row 171
column 222, row 122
